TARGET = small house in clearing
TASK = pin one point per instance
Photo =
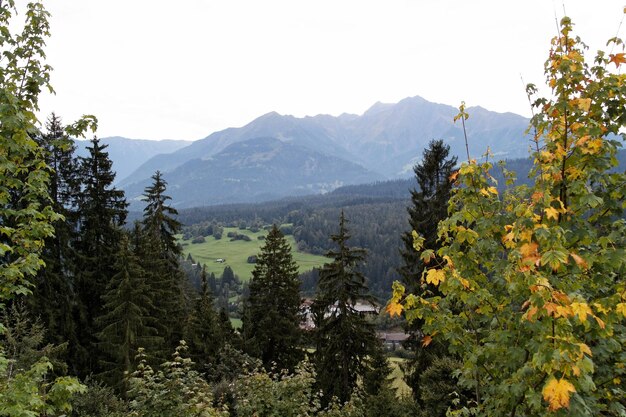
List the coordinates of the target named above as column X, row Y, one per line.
column 363, row 308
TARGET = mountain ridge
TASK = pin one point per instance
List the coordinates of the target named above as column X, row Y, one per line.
column 386, row 140
column 259, row 169
column 127, row 153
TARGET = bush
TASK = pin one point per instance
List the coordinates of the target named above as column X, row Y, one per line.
column 286, row 230
column 174, row 390
column 199, row 239
column 263, row 394
column 98, row 401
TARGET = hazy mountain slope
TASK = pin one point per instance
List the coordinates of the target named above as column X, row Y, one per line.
column 385, row 142
column 388, row 138
column 128, row 154
column 259, row 169
column 307, row 132
column 395, row 135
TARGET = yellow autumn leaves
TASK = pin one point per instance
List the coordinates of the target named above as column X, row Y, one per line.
column 557, row 393
column 435, row 276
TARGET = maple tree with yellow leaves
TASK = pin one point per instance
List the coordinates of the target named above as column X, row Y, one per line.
column 532, row 279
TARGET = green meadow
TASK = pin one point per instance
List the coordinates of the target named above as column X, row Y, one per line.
column 235, row 253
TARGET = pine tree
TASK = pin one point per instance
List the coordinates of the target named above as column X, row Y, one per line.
column 271, row 314
column 226, row 329
column 429, row 206
column 102, row 211
column 380, row 396
column 146, row 250
column 126, row 324
column 166, row 280
column 53, row 292
column 202, row 331
column 343, row 337
column 159, row 217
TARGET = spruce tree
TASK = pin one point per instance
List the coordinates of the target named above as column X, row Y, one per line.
column 202, row 331
column 53, row 292
column 126, row 324
column 166, row 278
column 271, row 319
column 428, row 207
column 146, row 250
column 102, row 211
column 159, row 217
column 343, row 337
column 226, row 329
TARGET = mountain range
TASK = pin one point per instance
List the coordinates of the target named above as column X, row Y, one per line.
column 277, row 155
column 128, row 154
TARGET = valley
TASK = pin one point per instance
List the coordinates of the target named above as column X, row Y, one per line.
column 216, row 254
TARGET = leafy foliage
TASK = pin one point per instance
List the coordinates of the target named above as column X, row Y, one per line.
column 26, row 212
column 282, row 394
column 176, row 390
column 532, row 280
column 98, row 400
column 428, row 207
column 264, row 394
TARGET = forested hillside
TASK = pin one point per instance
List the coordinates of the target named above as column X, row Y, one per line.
column 377, row 212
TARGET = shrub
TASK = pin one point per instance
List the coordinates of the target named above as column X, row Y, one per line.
column 198, row 239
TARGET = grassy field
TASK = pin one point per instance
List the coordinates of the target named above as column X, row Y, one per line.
column 236, row 253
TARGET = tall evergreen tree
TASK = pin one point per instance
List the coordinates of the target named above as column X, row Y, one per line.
column 166, row 280
column 428, row 207
column 146, row 251
column 159, row 218
column 202, row 331
column 343, row 337
column 102, row 211
column 53, row 292
column 126, row 324
column 271, row 318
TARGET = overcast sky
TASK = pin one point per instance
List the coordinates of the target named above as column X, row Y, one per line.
column 151, row 69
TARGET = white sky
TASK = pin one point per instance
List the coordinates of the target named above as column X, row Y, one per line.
column 183, row 69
